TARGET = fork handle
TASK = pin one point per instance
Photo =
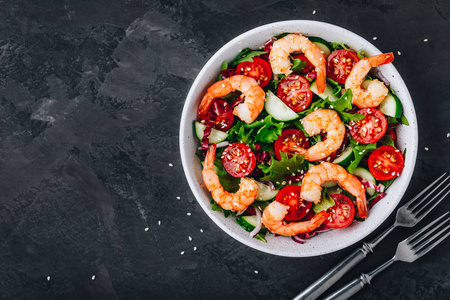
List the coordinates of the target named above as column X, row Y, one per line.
column 350, row 289
column 323, row 283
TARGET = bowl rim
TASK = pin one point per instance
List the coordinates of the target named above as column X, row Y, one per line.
column 187, row 122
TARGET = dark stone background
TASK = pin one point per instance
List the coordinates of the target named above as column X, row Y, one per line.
column 91, row 95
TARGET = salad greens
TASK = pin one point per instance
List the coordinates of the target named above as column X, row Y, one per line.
column 263, row 136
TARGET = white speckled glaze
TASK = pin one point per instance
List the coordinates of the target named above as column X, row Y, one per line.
column 326, row 242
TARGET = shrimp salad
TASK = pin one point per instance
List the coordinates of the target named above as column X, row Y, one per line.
column 298, row 137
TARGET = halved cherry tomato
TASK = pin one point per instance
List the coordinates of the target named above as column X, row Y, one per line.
column 294, row 92
column 258, row 69
column 290, row 196
column 290, row 136
column 371, row 128
column 386, row 163
column 340, row 63
column 238, row 160
column 222, row 113
column 342, row 213
column 309, row 66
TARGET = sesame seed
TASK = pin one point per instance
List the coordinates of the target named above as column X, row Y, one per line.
column 146, row 229
column 93, row 277
column 48, row 278
column 256, row 271
column 399, row 53
column 170, row 165
column 374, row 38
column 190, row 238
column 178, row 197
column 195, row 248
column 188, row 214
column 201, row 230
column 182, row 252
column 425, row 40
column 448, row 135
column 314, row 12
column 159, row 223
column 426, row 148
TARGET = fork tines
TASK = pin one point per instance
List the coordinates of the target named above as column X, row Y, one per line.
column 413, row 205
column 426, row 239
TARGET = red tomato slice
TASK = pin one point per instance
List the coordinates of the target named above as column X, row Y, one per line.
column 294, row 91
column 290, row 196
column 386, row 163
column 238, row 160
column 371, row 128
column 340, row 63
column 223, row 114
column 342, row 213
column 258, row 69
column 309, row 66
column 287, row 137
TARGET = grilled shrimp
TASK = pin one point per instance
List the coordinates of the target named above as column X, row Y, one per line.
column 254, row 96
column 273, row 219
column 311, row 189
column 321, row 120
column 376, row 90
column 239, row 201
column 282, row 48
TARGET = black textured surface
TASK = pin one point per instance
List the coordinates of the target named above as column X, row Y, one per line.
column 91, row 95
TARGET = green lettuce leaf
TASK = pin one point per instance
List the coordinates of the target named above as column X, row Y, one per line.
column 359, row 151
column 270, row 131
column 277, row 170
column 298, row 65
column 325, row 202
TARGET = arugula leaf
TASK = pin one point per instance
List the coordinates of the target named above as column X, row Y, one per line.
column 270, row 131
column 361, row 53
column 404, row 120
column 359, row 151
column 386, row 140
column 249, row 56
column 338, row 46
column 281, row 35
column 344, row 102
column 298, row 65
column 325, row 202
column 229, row 183
column 217, row 207
column 273, row 84
column 278, row 169
column 318, row 104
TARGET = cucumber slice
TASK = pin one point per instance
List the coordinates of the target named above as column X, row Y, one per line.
column 328, row 92
column 391, row 106
column 328, row 184
column 366, row 175
column 265, row 193
column 345, row 158
column 216, row 136
column 277, row 109
column 322, row 44
column 249, row 223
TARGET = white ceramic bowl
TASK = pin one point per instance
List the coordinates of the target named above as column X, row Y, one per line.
column 326, row 242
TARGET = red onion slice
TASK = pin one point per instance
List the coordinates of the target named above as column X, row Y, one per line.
column 255, row 231
column 385, row 81
column 377, row 198
column 269, row 183
column 296, row 239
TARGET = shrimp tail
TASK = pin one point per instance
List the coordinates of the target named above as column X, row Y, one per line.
column 380, row 59
column 361, row 205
